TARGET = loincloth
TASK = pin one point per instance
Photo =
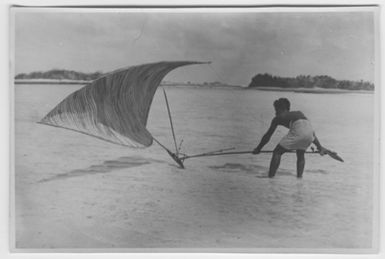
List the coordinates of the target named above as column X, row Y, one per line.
column 300, row 136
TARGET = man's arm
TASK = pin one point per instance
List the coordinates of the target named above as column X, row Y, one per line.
column 267, row 136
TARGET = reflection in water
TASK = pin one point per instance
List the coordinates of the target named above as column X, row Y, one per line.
column 298, row 194
column 106, row 167
column 259, row 171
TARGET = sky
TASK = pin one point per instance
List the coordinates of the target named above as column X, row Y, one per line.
column 239, row 44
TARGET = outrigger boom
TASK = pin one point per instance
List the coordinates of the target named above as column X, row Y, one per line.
column 180, row 159
column 332, row 154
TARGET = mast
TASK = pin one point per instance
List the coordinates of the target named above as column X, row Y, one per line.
column 171, row 124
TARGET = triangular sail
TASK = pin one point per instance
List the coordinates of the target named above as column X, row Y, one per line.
column 114, row 107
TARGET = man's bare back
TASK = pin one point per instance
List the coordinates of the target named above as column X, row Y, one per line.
column 288, row 117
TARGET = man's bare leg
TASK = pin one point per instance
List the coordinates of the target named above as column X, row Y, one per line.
column 300, row 162
column 276, row 160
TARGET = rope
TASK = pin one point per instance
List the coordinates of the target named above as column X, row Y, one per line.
column 160, row 144
column 216, row 73
column 174, row 156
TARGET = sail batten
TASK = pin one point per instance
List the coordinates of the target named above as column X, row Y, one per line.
column 114, row 107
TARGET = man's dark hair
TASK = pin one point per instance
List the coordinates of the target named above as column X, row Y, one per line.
column 282, row 103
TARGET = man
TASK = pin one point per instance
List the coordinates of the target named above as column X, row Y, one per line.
column 301, row 135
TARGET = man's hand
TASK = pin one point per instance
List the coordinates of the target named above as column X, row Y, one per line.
column 256, row 151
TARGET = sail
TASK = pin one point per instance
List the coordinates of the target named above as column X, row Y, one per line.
column 114, row 107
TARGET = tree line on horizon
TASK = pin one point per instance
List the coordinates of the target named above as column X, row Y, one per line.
column 60, row 74
column 267, row 80
column 259, row 80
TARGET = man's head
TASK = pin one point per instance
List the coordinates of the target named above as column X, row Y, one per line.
column 281, row 105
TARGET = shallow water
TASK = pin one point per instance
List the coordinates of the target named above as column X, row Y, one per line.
column 331, row 207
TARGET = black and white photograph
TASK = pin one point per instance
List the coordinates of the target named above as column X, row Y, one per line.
column 195, row 129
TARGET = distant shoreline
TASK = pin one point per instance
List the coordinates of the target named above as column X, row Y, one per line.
column 197, row 86
column 315, row 90
column 50, row 81
column 83, row 82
